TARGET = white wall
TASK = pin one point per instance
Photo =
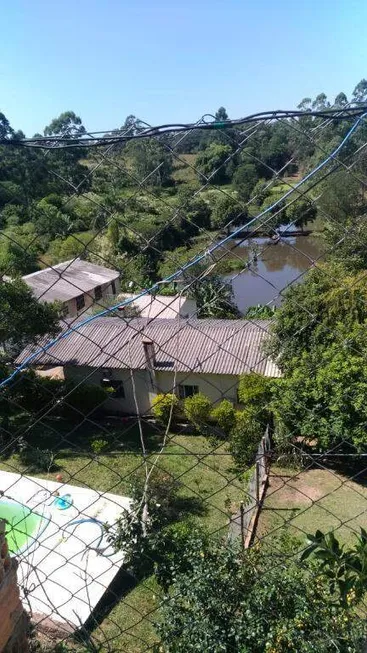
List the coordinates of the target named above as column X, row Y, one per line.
column 89, row 298
column 214, row 386
column 143, row 388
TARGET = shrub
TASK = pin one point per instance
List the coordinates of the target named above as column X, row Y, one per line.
column 37, row 460
column 254, row 390
column 197, row 410
column 83, row 398
column 98, row 445
column 32, row 392
column 225, row 416
column 165, row 406
column 255, row 393
column 228, row 601
column 245, row 437
column 172, row 548
column 151, row 509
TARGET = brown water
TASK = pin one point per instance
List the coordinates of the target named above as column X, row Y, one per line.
column 278, row 266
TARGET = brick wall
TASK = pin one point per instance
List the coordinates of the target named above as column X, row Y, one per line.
column 13, row 619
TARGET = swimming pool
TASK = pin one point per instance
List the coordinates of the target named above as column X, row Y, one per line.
column 23, row 525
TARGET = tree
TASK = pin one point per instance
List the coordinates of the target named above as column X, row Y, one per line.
column 50, row 221
column 275, row 149
column 322, row 397
column 245, row 179
column 25, row 326
column 214, row 297
column 19, row 250
column 311, row 311
column 341, row 100
column 305, row 104
column 263, row 604
column 197, row 410
column 360, row 92
column 319, row 342
column 213, row 163
column 300, row 212
column 194, row 215
column 245, row 436
column 343, row 208
column 221, row 115
column 67, row 173
column 77, row 244
column 320, row 102
column 228, row 211
column 254, row 391
column 67, row 124
column 6, row 131
column 152, row 161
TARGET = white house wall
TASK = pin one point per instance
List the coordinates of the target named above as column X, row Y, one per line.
column 215, row 386
column 89, row 298
column 127, row 404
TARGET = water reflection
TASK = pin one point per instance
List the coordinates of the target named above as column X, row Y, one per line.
column 276, row 267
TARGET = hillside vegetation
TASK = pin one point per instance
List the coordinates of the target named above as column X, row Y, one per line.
column 142, row 203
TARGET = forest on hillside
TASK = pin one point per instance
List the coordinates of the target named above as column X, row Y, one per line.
column 146, row 206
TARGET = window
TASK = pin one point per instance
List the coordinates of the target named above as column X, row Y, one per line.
column 113, row 287
column 98, row 293
column 80, row 302
column 185, row 391
column 64, row 311
column 114, row 386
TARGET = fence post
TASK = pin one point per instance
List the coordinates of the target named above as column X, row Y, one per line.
column 242, row 514
column 257, row 482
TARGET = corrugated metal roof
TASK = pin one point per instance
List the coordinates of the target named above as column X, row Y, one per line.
column 68, row 280
column 208, row 346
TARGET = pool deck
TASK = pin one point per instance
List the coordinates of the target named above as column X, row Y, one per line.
column 67, row 567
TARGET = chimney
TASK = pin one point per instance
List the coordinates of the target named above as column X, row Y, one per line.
column 148, row 346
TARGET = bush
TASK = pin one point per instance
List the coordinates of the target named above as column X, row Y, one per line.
column 254, row 390
column 172, row 548
column 136, row 530
column 245, row 437
column 227, row 601
column 165, row 407
column 98, row 445
column 33, row 393
column 255, row 393
column 197, row 410
column 37, row 460
column 82, row 399
column 225, row 416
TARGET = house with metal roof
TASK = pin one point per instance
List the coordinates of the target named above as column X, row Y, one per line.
column 76, row 284
column 138, row 358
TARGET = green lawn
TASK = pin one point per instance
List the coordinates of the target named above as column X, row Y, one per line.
column 303, row 502
column 209, row 490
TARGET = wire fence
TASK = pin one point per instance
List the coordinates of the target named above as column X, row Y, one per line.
column 182, row 379
column 255, row 481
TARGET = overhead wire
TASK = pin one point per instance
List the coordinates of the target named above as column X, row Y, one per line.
column 172, row 277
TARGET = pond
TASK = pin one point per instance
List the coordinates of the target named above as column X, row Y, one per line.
column 278, row 265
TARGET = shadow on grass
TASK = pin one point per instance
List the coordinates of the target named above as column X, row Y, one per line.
column 60, row 435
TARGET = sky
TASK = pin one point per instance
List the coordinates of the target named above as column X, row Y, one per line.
column 173, row 61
